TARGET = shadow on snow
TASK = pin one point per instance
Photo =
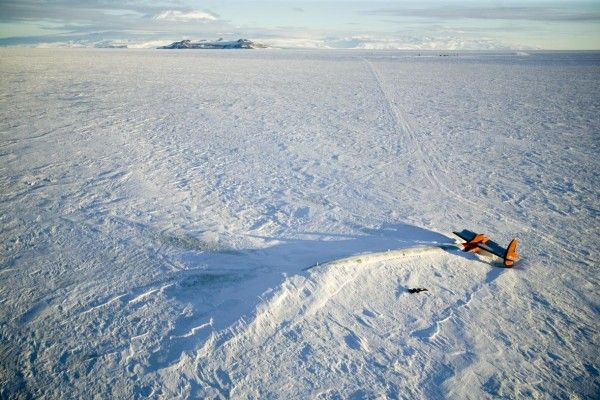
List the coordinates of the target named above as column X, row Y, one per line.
column 224, row 286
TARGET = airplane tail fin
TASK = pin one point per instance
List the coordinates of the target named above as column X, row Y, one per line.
column 511, row 253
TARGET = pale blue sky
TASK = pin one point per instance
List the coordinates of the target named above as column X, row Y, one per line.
column 563, row 24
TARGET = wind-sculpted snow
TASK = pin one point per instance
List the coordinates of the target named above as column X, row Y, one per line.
column 170, row 221
column 330, row 333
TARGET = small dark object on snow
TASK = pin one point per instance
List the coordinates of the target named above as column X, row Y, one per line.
column 417, row 290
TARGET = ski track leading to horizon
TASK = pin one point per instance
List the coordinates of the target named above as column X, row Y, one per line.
column 167, row 228
column 430, row 165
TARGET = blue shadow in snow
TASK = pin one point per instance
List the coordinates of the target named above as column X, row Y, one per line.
column 224, row 286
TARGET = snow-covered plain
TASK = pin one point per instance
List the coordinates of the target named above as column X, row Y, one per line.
column 159, row 211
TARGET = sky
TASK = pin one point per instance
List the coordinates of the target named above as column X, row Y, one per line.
column 428, row 24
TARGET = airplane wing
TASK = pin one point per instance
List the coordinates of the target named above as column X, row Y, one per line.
column 489, row 246
column 465, row 235
column 493, row 247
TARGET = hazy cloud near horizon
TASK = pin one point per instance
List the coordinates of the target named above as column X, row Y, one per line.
column 465, row 24
column 564, row 12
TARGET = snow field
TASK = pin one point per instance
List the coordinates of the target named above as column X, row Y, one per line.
column 159, row 210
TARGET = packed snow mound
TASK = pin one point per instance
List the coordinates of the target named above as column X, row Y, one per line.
column 347, row 329
column 353, row 329
column 219, row 44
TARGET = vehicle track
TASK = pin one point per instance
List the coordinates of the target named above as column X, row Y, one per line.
column 402, row 125
column 430, row 164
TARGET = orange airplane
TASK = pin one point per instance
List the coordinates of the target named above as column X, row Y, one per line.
column 477, row 241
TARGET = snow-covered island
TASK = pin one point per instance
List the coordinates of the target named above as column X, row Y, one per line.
column 219, row 44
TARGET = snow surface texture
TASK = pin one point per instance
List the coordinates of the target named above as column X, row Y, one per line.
column 159, row 211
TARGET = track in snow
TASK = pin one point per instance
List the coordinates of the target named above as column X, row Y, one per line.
column 429, row 165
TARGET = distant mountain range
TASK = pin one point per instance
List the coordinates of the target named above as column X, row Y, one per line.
column 219, row 44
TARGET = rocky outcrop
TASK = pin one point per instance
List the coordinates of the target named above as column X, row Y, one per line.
column 219, row 44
